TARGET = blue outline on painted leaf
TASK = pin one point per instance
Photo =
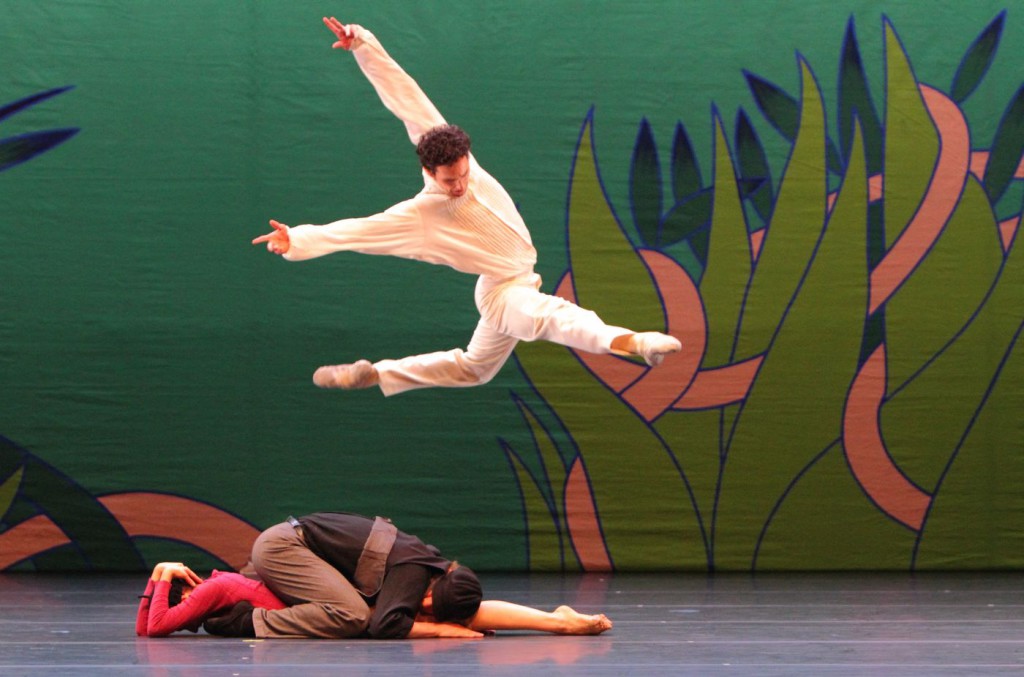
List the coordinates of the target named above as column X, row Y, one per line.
column 15, row 150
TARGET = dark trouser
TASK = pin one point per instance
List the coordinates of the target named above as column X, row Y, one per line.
column 322, row 602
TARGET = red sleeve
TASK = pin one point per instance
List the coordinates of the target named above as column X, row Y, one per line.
column 207, row 597
column 142, row 616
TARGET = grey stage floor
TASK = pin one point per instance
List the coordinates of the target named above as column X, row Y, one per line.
column 850, row 624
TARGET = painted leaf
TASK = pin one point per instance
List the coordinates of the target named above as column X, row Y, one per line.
column 874, row 329
column 729, row 261
column 795, row 408
column 635, row 480
column 874, row 334
column 695, row 438
column 876, row 233
column 98, row 541
column 645, row 192
column 921, row 415
column 977, row 518
column 9, row 489
column 1007, row 149
column 609, row 275
column 17, row 149
column 748, row 187
column 977, row 60
column 29, row 101
column 778, row 107
column 686, row 179
column 796, row 225
column 911, row 142
column 690, row 218
column 752, row 167
column 783, row 112
column 543, row 537
column 855, row 102
column 946, row 288
column 826, row 518
column 552, row 466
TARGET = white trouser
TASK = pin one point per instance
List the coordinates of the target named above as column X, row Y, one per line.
column 511, row 310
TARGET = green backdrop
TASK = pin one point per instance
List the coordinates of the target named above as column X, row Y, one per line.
column 155, row 372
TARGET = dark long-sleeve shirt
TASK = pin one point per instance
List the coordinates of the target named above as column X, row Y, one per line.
column 338, row 539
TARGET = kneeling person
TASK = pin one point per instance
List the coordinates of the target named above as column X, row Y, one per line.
column 346, row 575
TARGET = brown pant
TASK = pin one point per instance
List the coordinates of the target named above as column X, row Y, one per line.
column 322, row 602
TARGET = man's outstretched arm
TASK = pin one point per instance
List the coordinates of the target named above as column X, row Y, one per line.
column 399, row 92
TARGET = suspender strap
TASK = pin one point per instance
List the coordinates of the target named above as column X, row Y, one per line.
column 369, row 574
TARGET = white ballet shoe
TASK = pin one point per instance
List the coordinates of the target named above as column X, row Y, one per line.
column 353, row 376
column 653, row 347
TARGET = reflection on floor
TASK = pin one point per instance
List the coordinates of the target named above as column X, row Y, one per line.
column 785, row 624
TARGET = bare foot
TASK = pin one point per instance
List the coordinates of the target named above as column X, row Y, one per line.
column 575, row 623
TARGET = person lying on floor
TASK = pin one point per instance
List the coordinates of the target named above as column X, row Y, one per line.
column 176, row 598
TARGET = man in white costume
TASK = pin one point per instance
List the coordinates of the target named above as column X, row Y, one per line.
column 464, row 219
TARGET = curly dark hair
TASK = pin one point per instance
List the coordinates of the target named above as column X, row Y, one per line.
column 175, row 593
column 441, row 146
